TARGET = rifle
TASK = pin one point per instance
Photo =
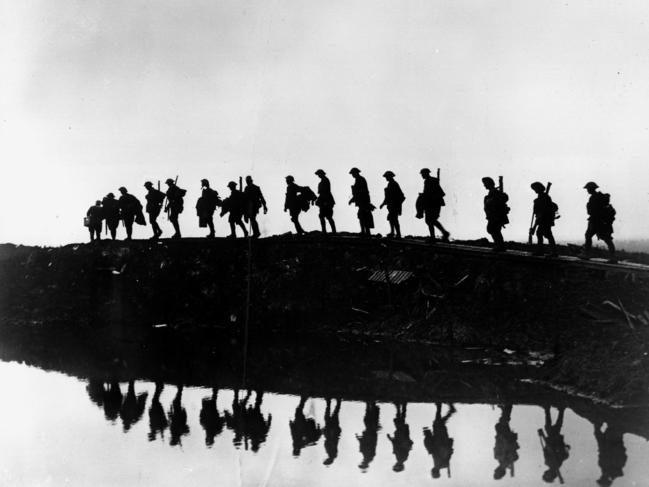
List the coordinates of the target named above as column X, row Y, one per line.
column 533, row 224
column 501, row 184
column 438, row 174
column 542, row 440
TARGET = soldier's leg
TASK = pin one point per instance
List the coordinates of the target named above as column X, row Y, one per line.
column 91, row 230
column 590, row 233
column 128, row 223
column 98, row 231
column 430, row 221
column 153, row 218
column 295, row 219
column 441, row 228
column 255, row 226
column 551, row 241
column 233, row 231
column 333, row 224
column 243, row 227
column 173, row 218
column 323, row 225
column 210, row 225
column 608, row 240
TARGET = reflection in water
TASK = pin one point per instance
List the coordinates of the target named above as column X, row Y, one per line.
column 177, row 419
column 438, row 443
column 401, row 442
column 157, row 417
column 236, row 419
column 112, row 401
column 612, row 453
column 506, row 449
column 555, row 450
column 247, row 421
column 304, row 431
column 331, row 431
column 133, row 407
column 367, row 441
column 210, row 418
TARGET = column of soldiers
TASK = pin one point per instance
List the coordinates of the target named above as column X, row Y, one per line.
column 245, row 204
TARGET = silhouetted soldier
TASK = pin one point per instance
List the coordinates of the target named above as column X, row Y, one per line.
column 132, row 407
column 175, row 205
column 154, row 200
column 304, row 431
column 111, row 213
column 393, row 199
column 177, row 419
column 544, row 215
column 129, row 208
column 206, row 206
column 555, row 450
column 325, row 202
column 401, row 442
column 368, row 439
column 96, row 391
column 361, row 198
column 506, row 449
column 112, row 401
column 611, row 453
column 297, row 200
column 601, row 216
column 256, row 426
column 438, row 443
column 157, row 417
column 210, row 418
column 254, row 202
column 235, row 206
column 496, row 210
column 430, row 203
column 236, row 420
column 331, row 431
column 95, row 215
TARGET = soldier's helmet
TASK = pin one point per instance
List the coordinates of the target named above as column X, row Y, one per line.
column 425, row 171
column 354, row 170
column 232, row 185
column 148, row 184
column 388, row 174
column 110, row 196
column 122, row 189
column 290, row 179
column 205, row 182
column 248, row 179
column 320, row 172
column 591, row 185
column 98, row 202
column 537, row 186
column 487, row 181
column 170, row 181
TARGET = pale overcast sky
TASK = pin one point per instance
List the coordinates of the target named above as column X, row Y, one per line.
column 99, row 94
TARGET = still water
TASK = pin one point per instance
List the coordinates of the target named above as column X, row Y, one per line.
column 62, row 430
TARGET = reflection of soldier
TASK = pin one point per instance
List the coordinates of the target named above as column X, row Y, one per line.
column 129, row 208
column 157, row 418
column 394, row 199
column 296, row 201
column 206, row 206
column 256, row 426
column 211, row 421
column 175, row 205
column 177, row 419
column 555, row 450
column 367, row 440
column 304, row 431
column 235, row 205
column 601, row 216
column 496, row 210
column 612, row 453
column 331, row 431
column 254, row 202
column 236, row 420
column 111, row 213
column 361, row 198
column 506, row 449
column 132, row 407
column 95, row 215
column 95, row 390
column 154, row 200
column 430, row 203
column 112, row 401
column 401, row 442
column 325, row 202
column 438, row 443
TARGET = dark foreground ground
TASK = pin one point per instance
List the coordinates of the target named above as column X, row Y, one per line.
column 576, row 328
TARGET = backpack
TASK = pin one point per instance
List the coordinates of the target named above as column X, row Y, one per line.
column 306, row 196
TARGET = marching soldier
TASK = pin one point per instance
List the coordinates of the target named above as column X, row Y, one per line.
column 393, row 199
column 361, row 198
column 496, row 210
column 544, row 215
column 601, row 216
column 95, row 215
column 254, row 202
column 154, row 200
column 325, row 202
column 297, row 200
column 430, row 203
column 235, row 205
column 129, row 208
column 110, row 208
column 175, row 205
column 206, row 206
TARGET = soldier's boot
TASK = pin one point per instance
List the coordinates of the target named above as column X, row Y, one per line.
column 611, row 251
column 255, row 228
column 298, row 227
column 397, row 229
column 391, row 234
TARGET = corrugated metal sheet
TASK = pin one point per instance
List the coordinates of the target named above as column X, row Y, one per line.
column 396, row 277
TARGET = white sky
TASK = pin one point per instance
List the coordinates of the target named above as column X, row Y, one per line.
column 96, row 94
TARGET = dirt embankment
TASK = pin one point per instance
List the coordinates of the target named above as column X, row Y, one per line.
column 318, row 286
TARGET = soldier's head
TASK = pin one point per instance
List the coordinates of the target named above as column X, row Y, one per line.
column 205, row 183
column 148, row 185
column 248, row 179
column 98, row 203
column 388, row 175
column 550, row 475
column 290, row 179
column 435, row 472
column 320, row 173
column 538, row 187
column 398, row 467
column 110, row 196
column 499, row 473
column 170, row 182
column 590, row 187
column 354, row 171
column 425, row 172
column 232, row 185
column 488, row 183
column 122, row 190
